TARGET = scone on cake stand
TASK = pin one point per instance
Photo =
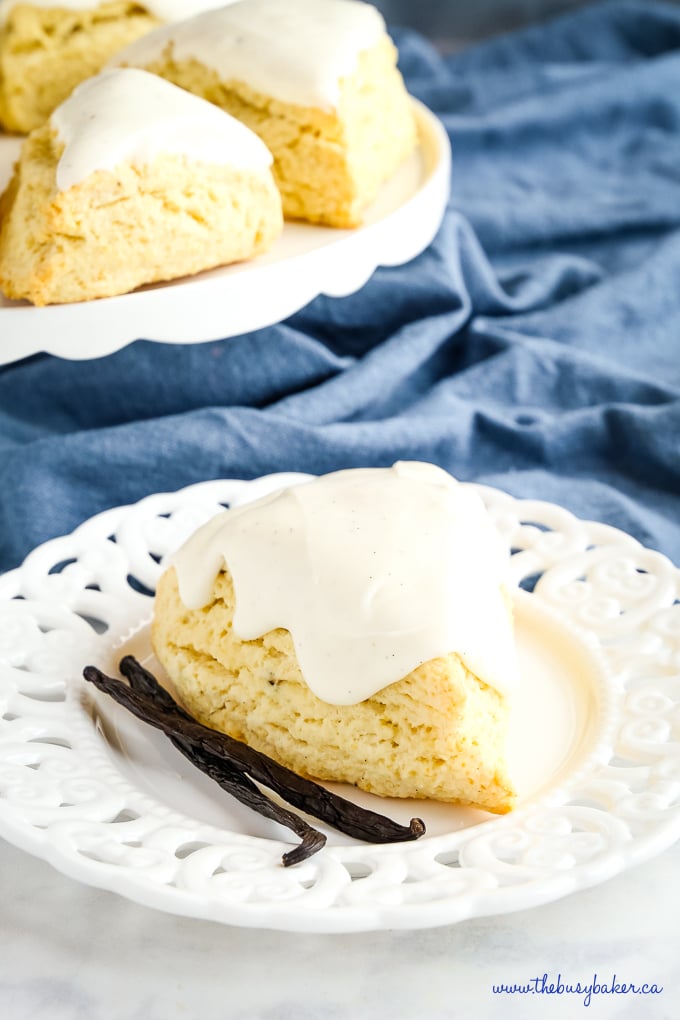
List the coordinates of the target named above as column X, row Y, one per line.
column 356, row 628
column 317, row 80
column 132, row 181
column 47, row 47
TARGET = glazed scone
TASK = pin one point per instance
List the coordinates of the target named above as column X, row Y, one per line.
column 316, row 79
column 47, row 47
column 281, row 624
column 132, row 181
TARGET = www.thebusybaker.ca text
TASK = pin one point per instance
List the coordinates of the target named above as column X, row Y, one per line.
column 544, row 986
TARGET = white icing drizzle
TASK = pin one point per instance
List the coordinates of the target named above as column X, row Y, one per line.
column 130, row 116
column 373, row 572
column 164, row 10
column 297, row 51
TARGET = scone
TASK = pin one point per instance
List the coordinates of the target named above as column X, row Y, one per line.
column 356, row 629
column 316, row 79
column 47, row 47
column 132, row 181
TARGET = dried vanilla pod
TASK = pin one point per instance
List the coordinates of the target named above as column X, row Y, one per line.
column 237, row 768
column 303, row 793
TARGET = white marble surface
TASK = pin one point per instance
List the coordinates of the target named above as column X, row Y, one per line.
column 68, row 952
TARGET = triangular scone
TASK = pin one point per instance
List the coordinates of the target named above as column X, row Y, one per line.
column 132, row 181
column 316, row 79
column 438, row 732
column 47, row 47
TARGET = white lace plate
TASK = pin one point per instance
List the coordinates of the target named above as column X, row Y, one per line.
column 595, row 742
column 304, row 262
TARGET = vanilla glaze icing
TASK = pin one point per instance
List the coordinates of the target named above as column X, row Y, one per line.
column 373, row 572
column 297, row 51
column 164, row 10
column 130, row 116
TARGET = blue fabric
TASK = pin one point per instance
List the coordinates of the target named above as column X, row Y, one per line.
column 535, row 346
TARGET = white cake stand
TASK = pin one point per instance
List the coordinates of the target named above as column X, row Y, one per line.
column 306, row 261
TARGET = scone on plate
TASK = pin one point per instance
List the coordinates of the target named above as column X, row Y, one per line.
column 47, row 47
column 132, row 181
column 316, row 79
column 356, row 628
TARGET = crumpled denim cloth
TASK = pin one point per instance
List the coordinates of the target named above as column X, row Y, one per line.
column 534, row 347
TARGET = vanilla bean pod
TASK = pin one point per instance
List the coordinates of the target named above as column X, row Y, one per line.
column 144, row 682
column 226, row 774
column 243, row 789
column 228, row 777
column 300, row 792
column 341, row 814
